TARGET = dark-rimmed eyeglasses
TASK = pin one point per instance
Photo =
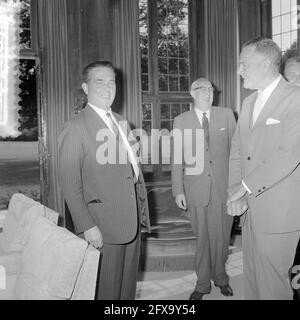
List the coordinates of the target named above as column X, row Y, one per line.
column 204, row 89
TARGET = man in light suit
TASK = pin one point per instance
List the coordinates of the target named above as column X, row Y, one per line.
column 292, row 74
column 107, row 201
column 204, row 193
column 264, row 175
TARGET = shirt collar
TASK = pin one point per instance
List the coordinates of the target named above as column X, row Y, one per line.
column 201, row 112
column 102, row 113
column 266, row 93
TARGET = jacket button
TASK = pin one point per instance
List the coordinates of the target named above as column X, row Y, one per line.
column 259, row 190
column 210, row 162
column 264, row 188
column 249, row 158
column 209, row 174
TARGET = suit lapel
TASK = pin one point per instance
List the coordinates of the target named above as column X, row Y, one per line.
column 195, row 120
column 271, row 104
column 94, row 119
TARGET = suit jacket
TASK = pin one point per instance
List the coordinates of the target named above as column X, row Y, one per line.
column 102, row 195
column 197, row 187
column 267, row 158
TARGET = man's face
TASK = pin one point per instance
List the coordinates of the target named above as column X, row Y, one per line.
column 101, row 87
column 203, row 93
column 253, row 68
column 292, row 72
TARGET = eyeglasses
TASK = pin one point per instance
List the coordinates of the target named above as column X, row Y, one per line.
column 205, row 89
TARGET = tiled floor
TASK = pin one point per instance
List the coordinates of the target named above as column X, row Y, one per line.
column 178, row 285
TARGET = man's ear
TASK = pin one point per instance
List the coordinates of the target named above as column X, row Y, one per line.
column 267, row 64
column 85, row 88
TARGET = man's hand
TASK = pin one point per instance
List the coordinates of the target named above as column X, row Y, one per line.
column 236, row 192
column 94, row 237
column 237, row 207
column 180, row 201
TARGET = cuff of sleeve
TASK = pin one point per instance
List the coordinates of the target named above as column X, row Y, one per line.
column 246, row 187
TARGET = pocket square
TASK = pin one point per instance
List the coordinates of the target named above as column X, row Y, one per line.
column 272, row 121
column 95, row 201
column 222, row 129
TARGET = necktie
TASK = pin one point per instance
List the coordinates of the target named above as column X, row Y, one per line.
column 112, row 124
column 125, row 145
column 257, row 107
column 205, row 127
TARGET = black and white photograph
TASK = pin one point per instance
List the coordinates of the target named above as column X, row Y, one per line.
column 150, row 152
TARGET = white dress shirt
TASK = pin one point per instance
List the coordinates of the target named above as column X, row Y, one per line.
column 199, row 114
column 262, row 98
column 132, row 157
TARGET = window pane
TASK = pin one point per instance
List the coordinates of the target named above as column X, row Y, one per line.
column 275, row 7
column 184, row 84
column 173, row 66
column 276, row 25
column 147, row 111
column 165, row 111
column 173, row 83
column 163, row 65
column 145, row 82
column 294, row 17
column 183, row 66
column 286, row 23
column 286, row 41
column 293, row 5
column 285, row 6
column 175, row 110
column 172, row 31
column 144, row 43
column 163, row 83
column 147, row 127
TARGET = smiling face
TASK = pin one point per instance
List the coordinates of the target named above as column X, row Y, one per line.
column 100, row 87
column 253, row 68
column 202, row 92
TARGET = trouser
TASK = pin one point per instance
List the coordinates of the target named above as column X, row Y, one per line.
column 118, row 271
column 212, row 227
column 266, row 261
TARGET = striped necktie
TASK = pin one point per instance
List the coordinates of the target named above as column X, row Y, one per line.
column 205, row 127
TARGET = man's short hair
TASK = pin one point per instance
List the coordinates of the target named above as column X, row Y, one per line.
column 266, row 47
column 96, row 64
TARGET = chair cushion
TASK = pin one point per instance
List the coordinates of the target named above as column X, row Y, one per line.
column 22, row 213
column 50, row 263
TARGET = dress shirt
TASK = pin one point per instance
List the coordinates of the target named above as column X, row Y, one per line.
column 262, row 98
column 199, row 114
column 132, row 157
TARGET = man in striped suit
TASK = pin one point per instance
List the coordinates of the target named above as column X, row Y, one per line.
column 107, row 201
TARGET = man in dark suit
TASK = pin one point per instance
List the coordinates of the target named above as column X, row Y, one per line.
column 107, row 199
column 204, row 193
